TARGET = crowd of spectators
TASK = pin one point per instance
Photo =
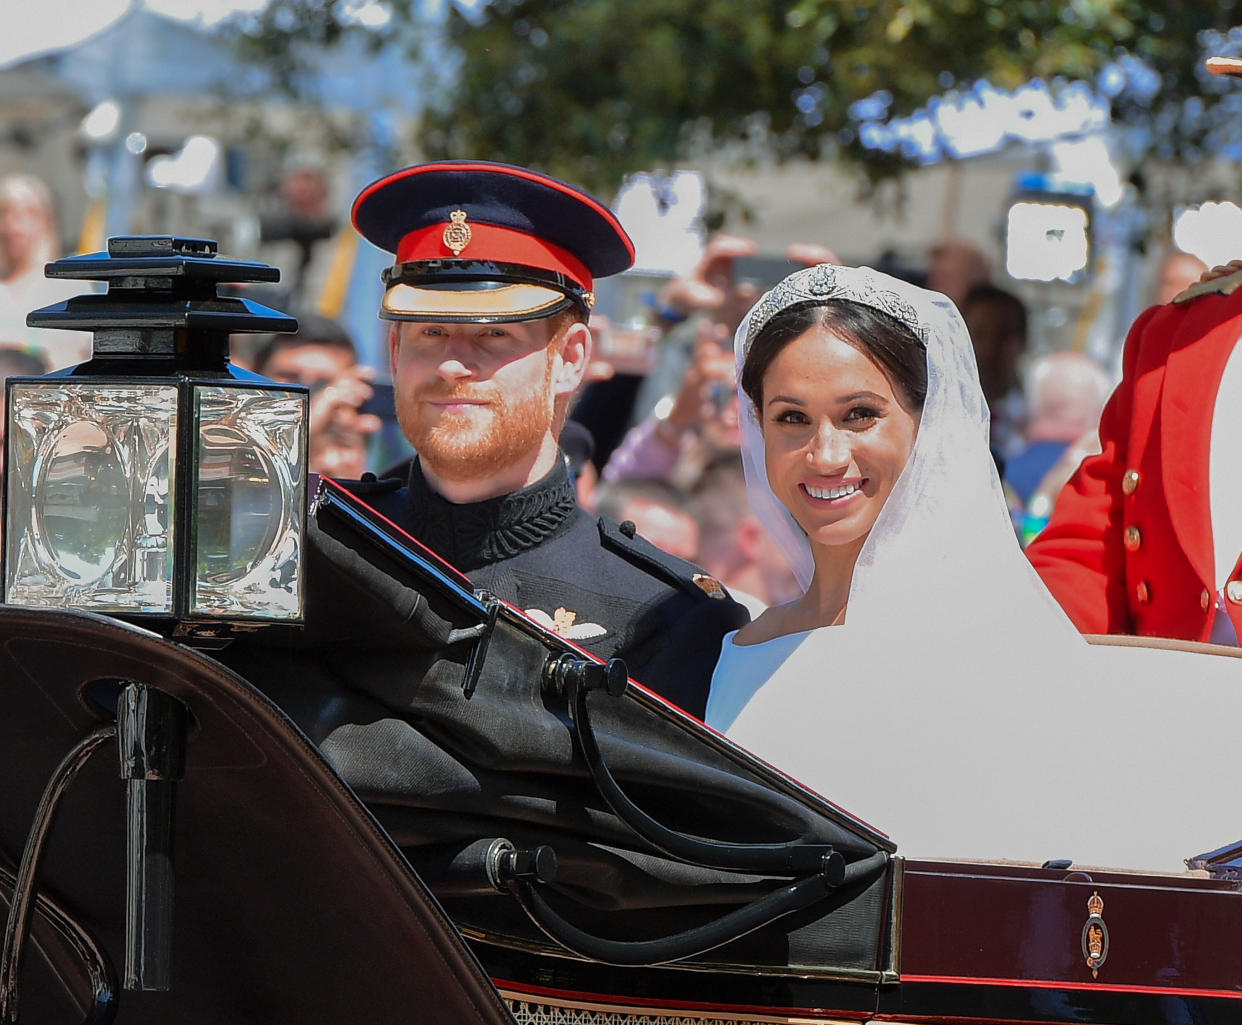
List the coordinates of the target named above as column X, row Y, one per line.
column 653, row 436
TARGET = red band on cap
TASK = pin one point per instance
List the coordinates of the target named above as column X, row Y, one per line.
column 458, row 166
column 501, row 245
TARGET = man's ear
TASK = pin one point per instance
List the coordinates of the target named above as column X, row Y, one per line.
column 394, row 344
column 572, row 358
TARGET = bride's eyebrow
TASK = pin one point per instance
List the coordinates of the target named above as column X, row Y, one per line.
column 793, row 400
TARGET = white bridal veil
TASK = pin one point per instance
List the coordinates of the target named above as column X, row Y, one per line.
column 944, row 539
column 956, row 707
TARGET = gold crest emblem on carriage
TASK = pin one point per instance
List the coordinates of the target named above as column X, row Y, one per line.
column 1095, row 935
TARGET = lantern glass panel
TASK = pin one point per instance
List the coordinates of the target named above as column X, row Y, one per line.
column 249, row 502
column 91, row 516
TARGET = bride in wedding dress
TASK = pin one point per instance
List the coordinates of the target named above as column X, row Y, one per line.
column 925, row 679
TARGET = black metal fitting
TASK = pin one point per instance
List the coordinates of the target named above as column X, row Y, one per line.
column 151, row 732
column 507, row 864
column 565, row 670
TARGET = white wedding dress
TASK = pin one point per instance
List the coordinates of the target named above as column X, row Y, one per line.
column 747, row 667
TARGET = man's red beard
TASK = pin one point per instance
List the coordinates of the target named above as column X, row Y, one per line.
column 480, row 442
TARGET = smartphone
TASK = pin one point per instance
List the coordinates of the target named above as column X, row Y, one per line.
column 381, row 402
column 764, row 271
column 628, row 350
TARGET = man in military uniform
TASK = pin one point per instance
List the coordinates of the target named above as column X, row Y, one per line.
column 1146, row 538
column 488, row 298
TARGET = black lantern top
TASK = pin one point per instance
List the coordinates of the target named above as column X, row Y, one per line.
column 162, row 303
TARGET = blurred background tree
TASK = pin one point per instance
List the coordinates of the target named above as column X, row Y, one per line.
column 593, row 90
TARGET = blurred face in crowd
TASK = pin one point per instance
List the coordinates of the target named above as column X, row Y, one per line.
column 480, row 403
column 309, row 364
column 739, row 298
column 1178, row 271
column 339, row 452
column 998, row 345
column 304, row 191
column 722, row 431
column 837, row 433
column 954, row 266
column 25, row 229
column 671, row 529
column 339, row 436
column 713, row 362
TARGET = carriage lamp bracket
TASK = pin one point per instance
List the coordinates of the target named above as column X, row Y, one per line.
column 481, row 635
column 151, row 733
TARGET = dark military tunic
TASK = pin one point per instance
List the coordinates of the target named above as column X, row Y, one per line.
column 593, row 582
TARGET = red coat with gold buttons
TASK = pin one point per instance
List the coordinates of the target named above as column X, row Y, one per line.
column 1128, row 548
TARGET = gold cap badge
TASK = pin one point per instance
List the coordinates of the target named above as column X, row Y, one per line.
column 457, row 233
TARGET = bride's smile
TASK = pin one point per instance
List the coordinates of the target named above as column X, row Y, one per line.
column 834, row 494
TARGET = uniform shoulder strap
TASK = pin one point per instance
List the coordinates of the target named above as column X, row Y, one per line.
column 624, row 540
column 1225, row 284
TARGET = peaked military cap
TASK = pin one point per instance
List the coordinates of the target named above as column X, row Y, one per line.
column 484, row 242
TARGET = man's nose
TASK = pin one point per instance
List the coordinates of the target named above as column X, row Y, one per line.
column 456, row 358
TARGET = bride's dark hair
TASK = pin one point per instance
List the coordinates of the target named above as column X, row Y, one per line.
column 886, row 340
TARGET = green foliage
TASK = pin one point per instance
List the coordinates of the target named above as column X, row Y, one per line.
column 595, row 90
column 592, row 90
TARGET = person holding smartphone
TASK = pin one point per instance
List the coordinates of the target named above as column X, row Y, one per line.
column 323, row 358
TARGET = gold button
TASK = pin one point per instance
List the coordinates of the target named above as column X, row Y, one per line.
column 1142, row 592
column 1233, row 591
column 1130, row 482
column 1132, row 539
column 1205, row 599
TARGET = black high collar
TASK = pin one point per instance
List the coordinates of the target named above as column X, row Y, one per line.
column 475, row 534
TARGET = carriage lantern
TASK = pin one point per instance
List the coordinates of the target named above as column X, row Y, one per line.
column 157, row 482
